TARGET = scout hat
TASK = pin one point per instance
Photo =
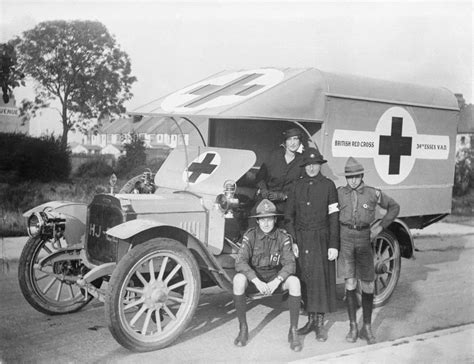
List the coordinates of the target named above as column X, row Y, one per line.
column 266, row 208
column 352, row 168
column 292, row 132
column 312, row 156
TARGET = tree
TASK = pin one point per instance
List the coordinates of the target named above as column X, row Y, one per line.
column 10, row 75
column 135, row 155
column 79, row 64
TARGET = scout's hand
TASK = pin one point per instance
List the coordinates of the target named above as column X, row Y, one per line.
column 375, row 230
column 332, row 254
column 261, row 286
column 273, row 285
column 264, row 192
column 296, row 251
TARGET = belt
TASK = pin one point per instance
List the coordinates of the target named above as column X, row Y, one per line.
column 356, row 227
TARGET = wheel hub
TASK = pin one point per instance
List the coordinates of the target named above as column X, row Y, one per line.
column 156, row 294
column 380, row 268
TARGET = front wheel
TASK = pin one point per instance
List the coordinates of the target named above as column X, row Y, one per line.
column 154, row 292
column 46, row 274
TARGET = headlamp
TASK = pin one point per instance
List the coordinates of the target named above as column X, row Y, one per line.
column 46, row 223
column 226, row 201
column 36, row 223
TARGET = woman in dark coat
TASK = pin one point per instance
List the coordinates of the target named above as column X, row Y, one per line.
column 277, row 175
column 311, row 216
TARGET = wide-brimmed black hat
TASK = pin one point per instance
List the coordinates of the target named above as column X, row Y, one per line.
column 312, row 156
column 292, row 132
column 266, row 208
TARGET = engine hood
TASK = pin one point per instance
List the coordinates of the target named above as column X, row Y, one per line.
column 203, row 170
column 167, row 202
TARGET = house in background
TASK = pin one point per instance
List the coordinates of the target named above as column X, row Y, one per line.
column 465, row 136
column 113, row 149
column 77, row 148
column 155, row 132
column 10, row 121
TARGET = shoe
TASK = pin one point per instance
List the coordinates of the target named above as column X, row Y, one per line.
column 321, row 334
column 243, row 337
column 294, row 339
column 310, row 325
column 366, row 334
column 353, row 333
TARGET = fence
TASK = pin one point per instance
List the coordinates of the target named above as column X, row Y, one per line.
column 79, row 159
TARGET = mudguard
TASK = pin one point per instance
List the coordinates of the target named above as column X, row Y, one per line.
column 134, row 231
column 75, row 214
column 405, row 238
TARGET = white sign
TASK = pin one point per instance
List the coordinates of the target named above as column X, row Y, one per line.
column 202, row 167
column 9, row 111
column 222, row 90
column 394, row 145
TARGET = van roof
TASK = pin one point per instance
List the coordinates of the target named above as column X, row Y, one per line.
column 289, row 94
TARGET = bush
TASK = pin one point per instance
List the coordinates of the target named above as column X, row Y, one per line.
column 95, row 168
column 134, row 156
column 26, row 158
column 17, row 198
column 463, row 171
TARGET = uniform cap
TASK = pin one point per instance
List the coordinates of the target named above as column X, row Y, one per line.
column 292, row 132
column 266, row 208
column 312, row 156
column 352, row 168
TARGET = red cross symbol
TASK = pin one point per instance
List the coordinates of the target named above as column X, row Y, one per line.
column 395, row 145
column 204, row 167
column 237, row 87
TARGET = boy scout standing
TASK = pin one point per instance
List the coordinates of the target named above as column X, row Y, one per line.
column 266, row 260
column 357, row 203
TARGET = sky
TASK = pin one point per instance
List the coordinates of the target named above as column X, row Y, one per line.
column 173, row 44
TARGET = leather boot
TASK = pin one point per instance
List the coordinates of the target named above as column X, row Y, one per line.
column 366, row 334
column 351, row 300
column 353, row 333
column 366, row 331
column 321, row 334
column 294, row 339
column 303, row 308
column 310, row 325
column 243, row 337
column 241, row 309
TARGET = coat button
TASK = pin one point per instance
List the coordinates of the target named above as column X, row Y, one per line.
column 306, row 251
column 308, row 203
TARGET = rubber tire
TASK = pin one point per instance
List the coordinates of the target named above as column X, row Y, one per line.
column 113, row 305
column 29, row 289
column 382, row 299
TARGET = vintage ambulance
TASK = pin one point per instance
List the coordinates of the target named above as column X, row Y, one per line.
column 148, row 255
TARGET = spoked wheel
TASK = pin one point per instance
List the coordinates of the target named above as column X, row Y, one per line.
column 154, row 292
column 46, row 276
column 387, row 261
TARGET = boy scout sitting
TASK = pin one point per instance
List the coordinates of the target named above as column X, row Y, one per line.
column 357, row 203
column 266, row 260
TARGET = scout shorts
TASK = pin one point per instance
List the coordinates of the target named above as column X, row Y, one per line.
column 356, row 258
column 265, row 276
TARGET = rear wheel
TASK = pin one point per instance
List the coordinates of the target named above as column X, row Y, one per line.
column 154, row 292
column 387, row 261
column 46, row 276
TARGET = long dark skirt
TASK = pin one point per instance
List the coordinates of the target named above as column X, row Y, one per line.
column 317, row 273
